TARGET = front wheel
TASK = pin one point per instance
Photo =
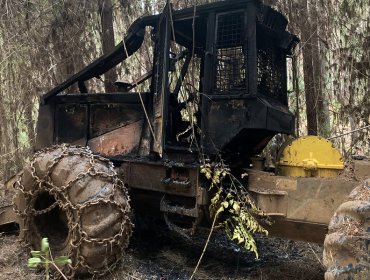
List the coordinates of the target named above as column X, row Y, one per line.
column 347, row 244
column 76, row 200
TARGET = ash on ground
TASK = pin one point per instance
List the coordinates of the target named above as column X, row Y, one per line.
column 158, row 254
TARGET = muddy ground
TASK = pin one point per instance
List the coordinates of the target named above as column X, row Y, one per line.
column 158, row 255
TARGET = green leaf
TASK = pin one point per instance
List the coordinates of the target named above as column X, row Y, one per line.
column 219, row 210
column 44, row 245
column 236, row 207
column 33, row 262
column 36, row 253
column 225, row 204
column 215, row 198
column 62, row 260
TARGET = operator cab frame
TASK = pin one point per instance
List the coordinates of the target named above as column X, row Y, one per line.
column 236, row 54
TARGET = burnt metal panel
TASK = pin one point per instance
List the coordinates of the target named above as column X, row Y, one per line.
column 120, row 97
column 113, row 123
column 209, row 57
column 121, row 141
column 45, row 126
column 159, row 178
column 160, row 88
column 243, row 124
column 279, row 118
column 71, row 122
column 107, row 117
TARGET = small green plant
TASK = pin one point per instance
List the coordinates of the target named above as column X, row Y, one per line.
column 45, row 259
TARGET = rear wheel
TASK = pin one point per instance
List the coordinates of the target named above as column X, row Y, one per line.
column 76, row 200
column 347, row 245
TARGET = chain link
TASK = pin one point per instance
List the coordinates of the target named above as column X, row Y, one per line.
column 78, row 238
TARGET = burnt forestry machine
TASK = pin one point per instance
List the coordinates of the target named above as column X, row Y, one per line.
column 235, row 53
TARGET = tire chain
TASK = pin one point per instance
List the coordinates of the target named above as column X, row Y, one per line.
column 74, row 224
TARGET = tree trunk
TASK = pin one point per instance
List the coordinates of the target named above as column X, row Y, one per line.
column 107, row 37
column 295, row 73
column 319, row 61
column 308, row 69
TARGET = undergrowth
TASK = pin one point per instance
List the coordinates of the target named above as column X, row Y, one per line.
column 233, row 206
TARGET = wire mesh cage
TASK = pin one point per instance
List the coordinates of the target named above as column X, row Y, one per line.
column 231, row 53
column 271, row 73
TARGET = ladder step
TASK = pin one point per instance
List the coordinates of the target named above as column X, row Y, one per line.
column 269, row 192
column 177, row 209
column 175, row 182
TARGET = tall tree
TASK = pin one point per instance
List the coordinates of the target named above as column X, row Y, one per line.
column 308, row 67
column 107, row 37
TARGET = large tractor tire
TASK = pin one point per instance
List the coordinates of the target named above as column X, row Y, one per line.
column 76, row 200
column 347, row 245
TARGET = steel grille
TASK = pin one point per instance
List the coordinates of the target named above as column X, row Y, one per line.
column 230, row 54
column 271, row 73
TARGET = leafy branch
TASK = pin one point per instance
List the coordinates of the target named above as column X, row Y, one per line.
column 234, row 205
column 45, row 259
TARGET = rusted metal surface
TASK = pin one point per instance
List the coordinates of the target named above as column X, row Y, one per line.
column 71, row 121
column 107, row 117
column 160, row 87
column 122, row 141
column 297, row 230
column 156, row 177
column 271, row 202
column 243, row 126
column 166, row 207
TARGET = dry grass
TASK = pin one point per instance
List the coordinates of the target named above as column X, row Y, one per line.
column 13, row 260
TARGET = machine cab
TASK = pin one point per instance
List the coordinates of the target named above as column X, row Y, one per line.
column 217, row 84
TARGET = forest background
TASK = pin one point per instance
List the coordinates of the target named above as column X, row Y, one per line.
column 43, row 42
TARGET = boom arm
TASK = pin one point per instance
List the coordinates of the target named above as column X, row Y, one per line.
column 130, row 45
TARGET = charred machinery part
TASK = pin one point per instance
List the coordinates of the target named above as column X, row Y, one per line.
column 76, row 200
column 8, row 219
column 240, row 49
column 180, row 211
column 237, row 53
column 346, row 247
column 258, row 163
column 131, row 44
column 183, row 194
column 183, row 232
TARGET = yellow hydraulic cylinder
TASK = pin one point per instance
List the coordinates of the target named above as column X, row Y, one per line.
column 310, row 156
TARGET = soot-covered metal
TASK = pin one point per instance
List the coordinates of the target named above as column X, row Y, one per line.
column 226, row 61
column 238, row 49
